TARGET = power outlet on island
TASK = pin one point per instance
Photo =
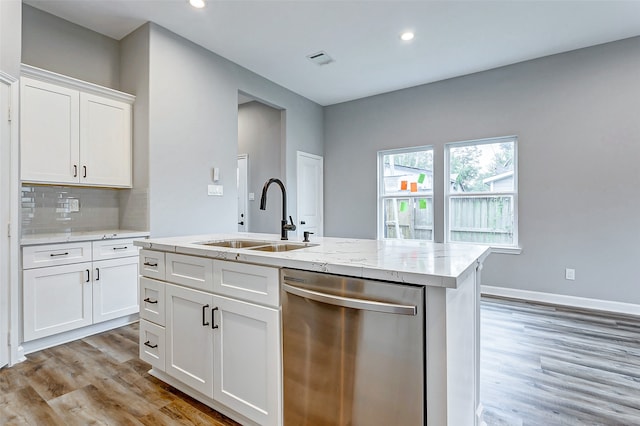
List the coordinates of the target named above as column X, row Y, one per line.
column 570, row 274
column 74, row 205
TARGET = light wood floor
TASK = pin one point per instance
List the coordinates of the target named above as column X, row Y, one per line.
column 541, row 366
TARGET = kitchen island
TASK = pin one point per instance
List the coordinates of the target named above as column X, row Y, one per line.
column 234, row 293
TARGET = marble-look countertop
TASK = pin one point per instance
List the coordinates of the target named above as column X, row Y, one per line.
column 402, row 261
column 68, row 237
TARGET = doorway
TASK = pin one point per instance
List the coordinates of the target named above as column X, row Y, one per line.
column 261, row 138
column 243, row 194
column 310, row 175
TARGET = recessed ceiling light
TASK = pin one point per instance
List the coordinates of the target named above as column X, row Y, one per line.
column 198, row 4
column 407, row 36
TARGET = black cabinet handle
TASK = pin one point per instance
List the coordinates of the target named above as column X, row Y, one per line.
column 302, row 222
column 88, row 276
column 85, row 171
column 150, row 301
column 148, row 343
column 59, row 254
column 97, row 274
column 150, row 264
column 204, row 310
column 75, row 171
column 241, row 222
column 213, row 318
column 121, row 248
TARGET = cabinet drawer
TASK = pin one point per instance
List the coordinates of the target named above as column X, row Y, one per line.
column 55, row 254
column 191, row 271
column 248, row 282
column 152, row 344
column 113, row 249
column 152, row 264
column 152, row 300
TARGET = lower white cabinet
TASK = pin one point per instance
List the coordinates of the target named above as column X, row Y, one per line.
column 226, row 349
column 246, row 365
column 56, row 299
column 64, row 290
column 115, row 289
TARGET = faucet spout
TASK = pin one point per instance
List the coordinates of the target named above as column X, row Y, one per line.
column 284, row 225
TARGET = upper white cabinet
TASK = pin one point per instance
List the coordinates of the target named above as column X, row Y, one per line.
column 73, row 132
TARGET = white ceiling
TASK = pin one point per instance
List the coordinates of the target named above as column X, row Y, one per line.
column 453, row 38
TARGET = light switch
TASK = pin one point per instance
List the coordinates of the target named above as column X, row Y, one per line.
column 74, row 205
column 214, row 190
column 252, row 196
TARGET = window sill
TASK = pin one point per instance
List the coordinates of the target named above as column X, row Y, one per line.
column 506, row 250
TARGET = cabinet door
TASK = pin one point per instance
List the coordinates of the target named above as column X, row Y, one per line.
column 189, row 337
column 247, row 372
column 115, row 288
column 56, row 299
column 49, row 132
column 105, row 141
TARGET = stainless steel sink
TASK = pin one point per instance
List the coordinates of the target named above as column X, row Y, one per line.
column 235, row 243
column 281, row 247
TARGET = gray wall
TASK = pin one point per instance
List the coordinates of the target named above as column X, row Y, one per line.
column 10, row 36
column 193, row 127
column 577, row 119
column 58, row 45
column 260, row 136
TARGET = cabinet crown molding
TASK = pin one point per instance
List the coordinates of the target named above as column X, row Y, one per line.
column 74, row 83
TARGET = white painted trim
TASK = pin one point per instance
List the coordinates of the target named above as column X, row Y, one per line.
column 74, row 83
column 15, row 350
column 7, row 78
column 563, row 300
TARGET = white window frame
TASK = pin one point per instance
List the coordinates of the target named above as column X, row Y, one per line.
column 382, row 197
column 448, row 194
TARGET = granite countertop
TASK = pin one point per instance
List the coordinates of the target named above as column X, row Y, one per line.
column 67, row 237
column 402, row 261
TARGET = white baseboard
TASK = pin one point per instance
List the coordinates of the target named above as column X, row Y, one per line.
column 564, row 300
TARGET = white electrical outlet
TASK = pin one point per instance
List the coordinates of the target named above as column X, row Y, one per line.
column 216, row 190
column 569, row 274
column 74, row 205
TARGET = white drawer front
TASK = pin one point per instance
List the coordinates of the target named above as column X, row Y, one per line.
column 152, row 264
column 55, row 254
column 113, row 249
column 152, row 300
column 191, row 271
column 248, row 282
column 152, row 344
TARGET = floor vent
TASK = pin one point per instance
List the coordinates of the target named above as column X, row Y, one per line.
column 320, row 58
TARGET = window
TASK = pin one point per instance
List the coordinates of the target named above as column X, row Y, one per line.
column 481, row 193
column 405, row 194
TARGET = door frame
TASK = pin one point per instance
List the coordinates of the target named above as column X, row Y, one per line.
column 246, row 190
column 299, row 189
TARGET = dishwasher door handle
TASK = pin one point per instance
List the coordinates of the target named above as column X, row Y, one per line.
column 348, row 302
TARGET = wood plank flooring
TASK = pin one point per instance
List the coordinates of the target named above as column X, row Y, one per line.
column 541, row 366
column 98, row 380
column 545, row 365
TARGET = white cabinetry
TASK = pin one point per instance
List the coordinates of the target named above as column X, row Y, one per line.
column 72, row 132
column 226, row 349
column 66, row 287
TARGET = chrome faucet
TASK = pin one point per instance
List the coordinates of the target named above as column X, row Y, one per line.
column 284, row 226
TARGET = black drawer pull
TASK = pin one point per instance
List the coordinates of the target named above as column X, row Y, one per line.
column 66, row 253
column 204, row 310
column 88, row 276
column 75, row 170
column 85, row 171
column 148, row 300
column 213, row 318
column 121, row 248
column 148, row 343
column 153, row 265
column 97, row 274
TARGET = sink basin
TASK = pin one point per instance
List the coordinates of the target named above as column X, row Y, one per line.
column 235, row 243
column 281, row 247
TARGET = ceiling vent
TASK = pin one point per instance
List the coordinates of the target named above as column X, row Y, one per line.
column 320, row 58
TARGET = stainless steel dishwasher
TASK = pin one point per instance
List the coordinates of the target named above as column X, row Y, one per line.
column 353, row 351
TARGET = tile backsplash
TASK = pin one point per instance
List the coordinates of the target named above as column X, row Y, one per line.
column 47, row 209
